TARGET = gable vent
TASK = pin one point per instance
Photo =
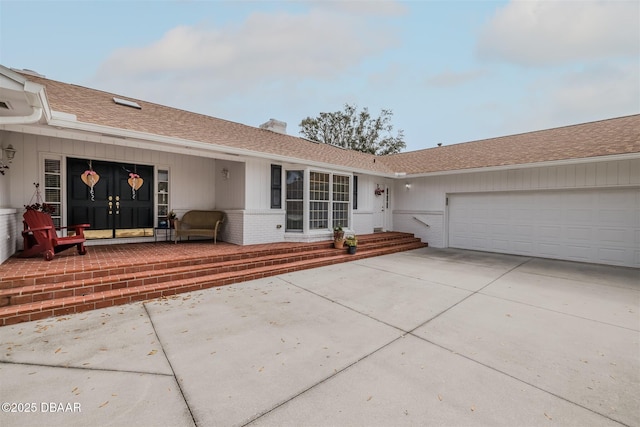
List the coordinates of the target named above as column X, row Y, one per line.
column 127, row 103
column 5, row 105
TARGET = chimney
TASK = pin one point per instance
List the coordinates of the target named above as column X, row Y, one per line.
column 275, row 126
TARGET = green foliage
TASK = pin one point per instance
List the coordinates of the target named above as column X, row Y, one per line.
column 355, row 131
column 351, row 240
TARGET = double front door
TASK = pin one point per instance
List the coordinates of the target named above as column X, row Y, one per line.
column 113, row 209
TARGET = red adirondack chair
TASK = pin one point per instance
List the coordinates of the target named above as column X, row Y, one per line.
column 40, row 236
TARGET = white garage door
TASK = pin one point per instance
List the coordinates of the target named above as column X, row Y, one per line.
column 600, row 226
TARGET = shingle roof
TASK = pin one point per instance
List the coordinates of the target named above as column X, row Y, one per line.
column 600, row 138
column 594, row 139
column 97, row 107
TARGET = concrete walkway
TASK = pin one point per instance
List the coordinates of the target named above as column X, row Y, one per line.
column 426, row 337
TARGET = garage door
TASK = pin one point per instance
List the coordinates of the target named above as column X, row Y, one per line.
column 599, row 226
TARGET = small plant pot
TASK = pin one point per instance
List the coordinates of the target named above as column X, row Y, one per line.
column 351, row 249
column 338, row 243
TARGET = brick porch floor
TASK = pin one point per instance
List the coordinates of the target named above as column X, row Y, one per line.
column 32, row 288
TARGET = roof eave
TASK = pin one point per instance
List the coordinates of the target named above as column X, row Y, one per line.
column 563, row 162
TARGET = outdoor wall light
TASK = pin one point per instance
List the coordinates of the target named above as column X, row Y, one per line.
column 9, row 152
column 225, row 173
column 407, row 186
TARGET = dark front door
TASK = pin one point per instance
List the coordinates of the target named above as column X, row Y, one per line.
column 113, row 210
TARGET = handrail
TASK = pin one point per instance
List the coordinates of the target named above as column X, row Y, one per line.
column 419, row 220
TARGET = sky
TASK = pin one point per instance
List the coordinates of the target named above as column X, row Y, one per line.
column 449, row 71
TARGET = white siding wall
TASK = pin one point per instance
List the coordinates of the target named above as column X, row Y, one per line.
column 362, row 222
column 8, row 233
column 229, row 193
column 427, row 196
column 192, row 178
column 258, row 184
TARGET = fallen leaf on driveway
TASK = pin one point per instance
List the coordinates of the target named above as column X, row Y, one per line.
column 152, row 352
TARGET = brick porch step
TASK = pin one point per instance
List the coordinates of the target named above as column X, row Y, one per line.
column 46, row 296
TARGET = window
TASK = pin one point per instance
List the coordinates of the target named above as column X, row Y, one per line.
column 355, row 192
column 163, row 197
column 295, row 200
column 322, row 204
column 318, row 201
column 276, row 187
column 53, row 189
column 340, row 200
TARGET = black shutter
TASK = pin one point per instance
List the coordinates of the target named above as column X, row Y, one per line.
column 355, row 192
column 276, row 187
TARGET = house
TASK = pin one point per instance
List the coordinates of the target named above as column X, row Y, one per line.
column 569, row 193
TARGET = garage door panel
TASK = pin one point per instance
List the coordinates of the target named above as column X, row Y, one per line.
column 580, row 253
column 499, row 245
column 549, row 232
column 580, row 216
column 613, row 235
column 611, row 255
column 579, row 233
column 547, row 249
column 523, row 247
column 601, row 226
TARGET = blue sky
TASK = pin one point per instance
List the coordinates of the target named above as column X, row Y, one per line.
column 451, row 71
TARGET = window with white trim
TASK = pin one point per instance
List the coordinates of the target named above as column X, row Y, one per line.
column 294, row 200
column 340, row 200
column 318, row 201
column 53, row 189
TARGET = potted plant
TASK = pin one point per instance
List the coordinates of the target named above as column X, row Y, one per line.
column 352, row 244
column 172, row 218
column 39, row 205
column 338, row 237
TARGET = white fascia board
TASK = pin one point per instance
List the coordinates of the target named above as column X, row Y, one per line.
column 608, row 158
column 9, row 73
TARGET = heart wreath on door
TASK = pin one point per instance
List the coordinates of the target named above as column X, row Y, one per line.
column 135, row 182
column 90, row 178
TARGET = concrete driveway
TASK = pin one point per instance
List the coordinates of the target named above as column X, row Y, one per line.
column 426, row 337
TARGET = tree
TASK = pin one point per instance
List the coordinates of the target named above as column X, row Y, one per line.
column 355, row 131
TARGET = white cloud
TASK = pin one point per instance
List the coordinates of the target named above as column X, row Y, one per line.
column 264, row 50
column 596, row 92
column 600, row 91
column 552, row 32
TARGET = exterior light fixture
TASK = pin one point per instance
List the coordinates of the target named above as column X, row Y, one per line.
column 9, row 152
column 225, row 173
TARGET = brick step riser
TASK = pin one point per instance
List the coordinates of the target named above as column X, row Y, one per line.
column 83, row 288
column 189, row 262
column 140, row 268
column 125, row 296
